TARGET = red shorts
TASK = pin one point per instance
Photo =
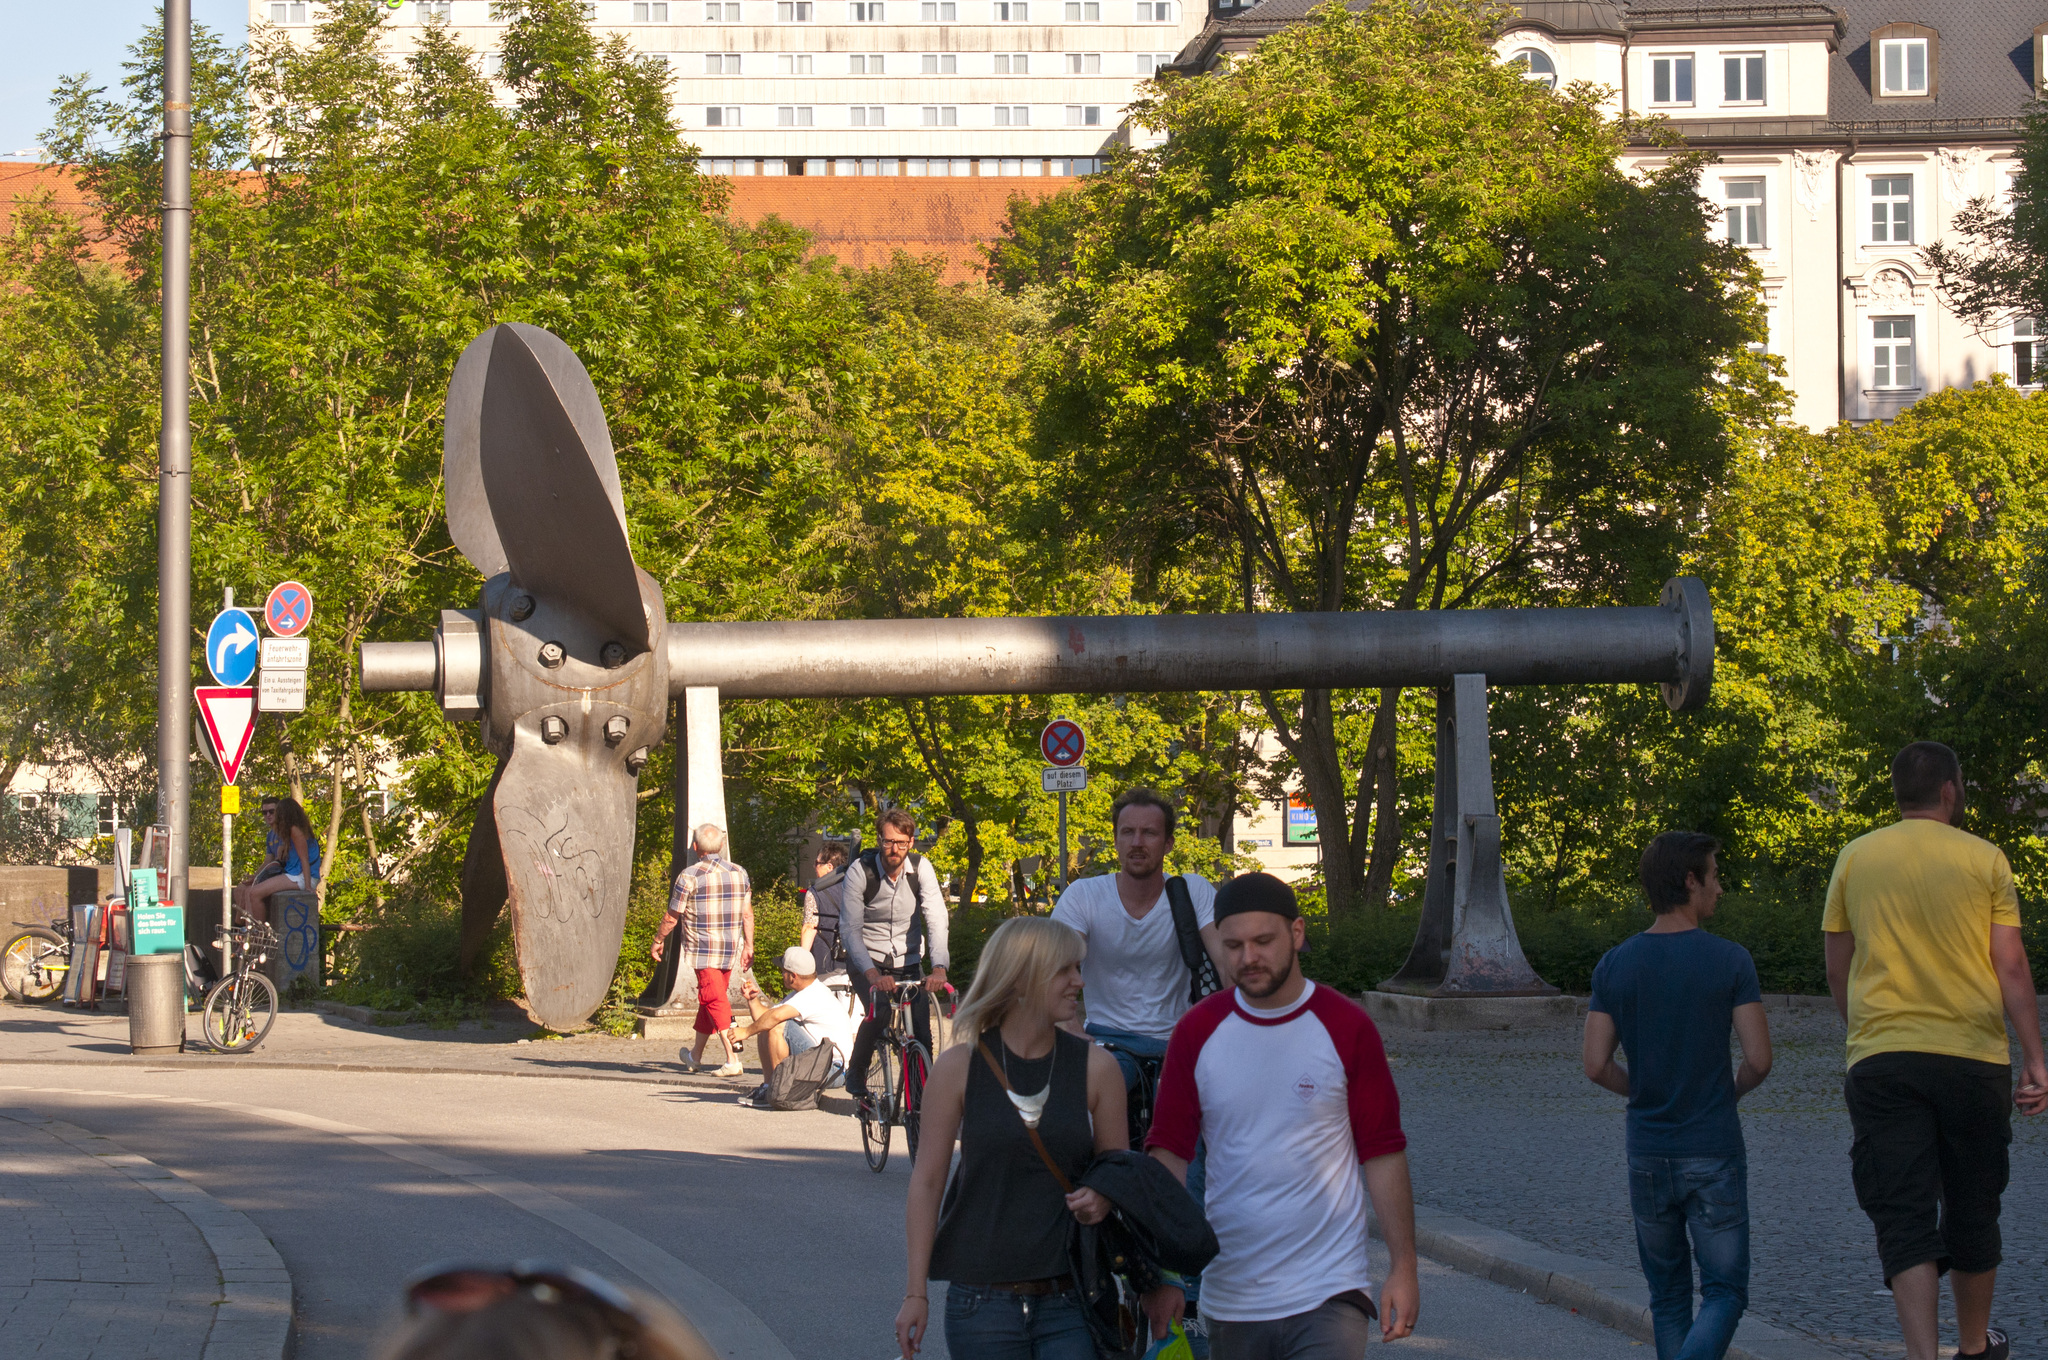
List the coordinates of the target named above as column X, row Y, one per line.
column 714, row 1004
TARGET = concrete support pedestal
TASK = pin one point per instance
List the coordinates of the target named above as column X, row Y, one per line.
column 1470, row 1012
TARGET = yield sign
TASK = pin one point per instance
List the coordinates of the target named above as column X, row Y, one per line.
column 228, row 715
column 1062, row 743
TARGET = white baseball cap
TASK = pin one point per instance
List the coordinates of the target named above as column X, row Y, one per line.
column 798, row 960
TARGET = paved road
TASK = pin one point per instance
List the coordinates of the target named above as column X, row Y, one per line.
column 1503, row 1128
column 359, row 1176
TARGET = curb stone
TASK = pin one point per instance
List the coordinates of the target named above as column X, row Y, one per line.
column 254, row 1317
column 1606, row 1293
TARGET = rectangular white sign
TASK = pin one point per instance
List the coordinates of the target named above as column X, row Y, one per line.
column 287, row 654
column 1073, row 779
column 279, row 691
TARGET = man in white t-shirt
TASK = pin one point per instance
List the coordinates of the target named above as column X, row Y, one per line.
column 1287, row 1086
column 1135, row 979
column 808, row 1014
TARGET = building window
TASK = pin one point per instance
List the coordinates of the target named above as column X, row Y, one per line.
column 940, row 115
column 793, row 11
column 290, row 12
column 1083, row 11
column 494, row 64
column 650, row 11
column 1537, row 66
column 1671, row 78
column 109, row 815
column 865, row 12
column 791, row 64
column 1902, row 66
column 425, row 10
column 938, row 11
column 1084, row 63
column 859, row 65
column 2023, row 351
column 1891, row 209
column 1084, row 115
column 939, row 64
column 1013, row 63
column 1155, row 11
column 724, row 63
column 1013, row 11
column 798, row 115
column 727, row 115
column 866, row 115
column 1745, row 207
column 1150, row 63
column 1079, row 165
column 1891, row 352
column 727, row 12
column 1013, row 115
column 1742, row 78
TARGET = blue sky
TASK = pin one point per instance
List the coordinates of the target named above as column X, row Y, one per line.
column 51, row 38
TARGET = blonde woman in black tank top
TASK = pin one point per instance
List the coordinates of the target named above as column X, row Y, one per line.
column 1000, row 1235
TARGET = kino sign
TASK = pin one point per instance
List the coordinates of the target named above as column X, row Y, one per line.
column 570, row 663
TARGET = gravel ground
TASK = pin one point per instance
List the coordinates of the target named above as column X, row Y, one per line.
column 1503, row 1128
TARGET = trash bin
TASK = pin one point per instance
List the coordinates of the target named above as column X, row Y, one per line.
column 156, row 1003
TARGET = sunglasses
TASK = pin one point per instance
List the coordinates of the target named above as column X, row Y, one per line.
column 452, row 1287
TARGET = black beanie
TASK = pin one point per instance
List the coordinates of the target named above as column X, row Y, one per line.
column 1256, row 892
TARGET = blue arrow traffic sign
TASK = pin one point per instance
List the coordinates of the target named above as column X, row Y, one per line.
column 231, row 647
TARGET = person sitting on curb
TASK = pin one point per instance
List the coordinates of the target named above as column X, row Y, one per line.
column 808, row 1014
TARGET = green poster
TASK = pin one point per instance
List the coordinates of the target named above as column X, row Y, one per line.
column 159, row 930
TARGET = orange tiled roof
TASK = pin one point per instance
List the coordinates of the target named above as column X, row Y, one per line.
column 29, row 180
column 863, row 221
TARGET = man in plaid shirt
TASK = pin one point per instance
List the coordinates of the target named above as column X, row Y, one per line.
column 713, row 901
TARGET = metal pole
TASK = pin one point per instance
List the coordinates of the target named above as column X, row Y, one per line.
column 174, row 457
column 1063, row 840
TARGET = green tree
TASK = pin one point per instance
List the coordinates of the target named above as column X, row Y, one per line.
column 1993, row 263
column 1382, row 326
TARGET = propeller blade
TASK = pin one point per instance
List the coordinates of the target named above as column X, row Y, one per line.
column 462, row 473
column 483, row 880
column 565, row 823
column 553, row 484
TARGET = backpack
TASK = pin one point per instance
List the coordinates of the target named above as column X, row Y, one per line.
column 796, row 1081
column 827, row 949
column 1202, row 979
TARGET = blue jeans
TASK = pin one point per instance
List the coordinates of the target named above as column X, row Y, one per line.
column 994, row 1324
column 1707, row 1197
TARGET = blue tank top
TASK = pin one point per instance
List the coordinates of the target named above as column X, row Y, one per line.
column 291, row 859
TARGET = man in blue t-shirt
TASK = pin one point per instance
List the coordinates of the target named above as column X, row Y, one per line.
column 1669, row 996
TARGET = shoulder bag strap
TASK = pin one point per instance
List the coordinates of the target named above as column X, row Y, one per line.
column 1201, row 968
column 1066, row 1186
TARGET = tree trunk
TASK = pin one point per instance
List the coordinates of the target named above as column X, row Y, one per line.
column 1322, row 778
column 339, row 764
column 970, row 880
column 1379, row 787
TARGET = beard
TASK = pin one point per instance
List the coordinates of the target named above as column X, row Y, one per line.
column 1262, row 988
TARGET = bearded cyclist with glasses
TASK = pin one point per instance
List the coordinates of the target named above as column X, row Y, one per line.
column 888, row 894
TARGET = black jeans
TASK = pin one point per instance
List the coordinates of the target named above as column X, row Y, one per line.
column 881, row 1008
column 1929, row 1158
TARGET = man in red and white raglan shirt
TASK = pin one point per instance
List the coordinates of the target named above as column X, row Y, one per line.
column 1288, row 1085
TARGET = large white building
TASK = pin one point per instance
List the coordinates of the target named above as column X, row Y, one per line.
column 870, row 87
column 1849, row 135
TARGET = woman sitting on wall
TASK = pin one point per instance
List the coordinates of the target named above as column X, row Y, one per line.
column 300, row 854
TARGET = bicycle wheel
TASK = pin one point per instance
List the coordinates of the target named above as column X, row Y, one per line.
column 877, row 1109
column 917, row 1064
column 239, row 1012
column 33, row 964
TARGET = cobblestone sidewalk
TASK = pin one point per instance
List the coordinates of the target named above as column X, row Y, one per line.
column 98, row 1262
column 1504, row 1129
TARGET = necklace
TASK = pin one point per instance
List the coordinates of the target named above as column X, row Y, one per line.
column 1031, row 1108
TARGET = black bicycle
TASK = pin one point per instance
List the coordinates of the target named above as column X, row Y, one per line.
column 1141, row 1097
column 33, row 963
column 896, row 1074
column 242, row 1006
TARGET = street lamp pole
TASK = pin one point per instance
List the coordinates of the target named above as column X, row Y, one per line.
column 174, row 458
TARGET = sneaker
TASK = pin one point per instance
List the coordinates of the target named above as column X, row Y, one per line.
column 731, row 1069
column 757, row 1100
column 1997, row 1346
column 759, row 1092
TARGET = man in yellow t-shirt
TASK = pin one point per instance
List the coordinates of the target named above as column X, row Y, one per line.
column 1925, row 962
